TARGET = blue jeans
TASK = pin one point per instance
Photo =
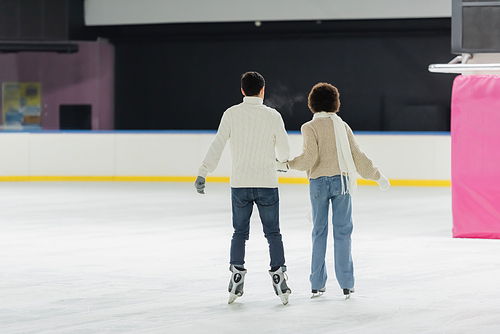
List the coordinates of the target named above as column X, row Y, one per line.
column 267, row 201
column 323, row 191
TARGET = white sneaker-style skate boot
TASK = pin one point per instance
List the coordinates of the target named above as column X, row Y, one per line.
column 279, row 284
column 236, row 283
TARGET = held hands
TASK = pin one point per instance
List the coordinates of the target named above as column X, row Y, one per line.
column 281, row 167
column 383, row 182
column 199, row 184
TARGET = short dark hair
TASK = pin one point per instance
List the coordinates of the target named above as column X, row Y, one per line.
column 324, row 97
column 252, row 83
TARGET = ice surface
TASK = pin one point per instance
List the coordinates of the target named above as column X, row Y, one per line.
column 153, row 258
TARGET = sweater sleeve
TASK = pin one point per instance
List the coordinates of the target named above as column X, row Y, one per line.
column 364, row 165
column 215, row 151
column 281, row 140
column 307, row 159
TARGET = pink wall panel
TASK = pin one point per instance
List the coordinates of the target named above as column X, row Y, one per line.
column 475, row 160
column 85, row 77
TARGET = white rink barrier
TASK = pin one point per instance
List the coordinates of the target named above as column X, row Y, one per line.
column 405, row 158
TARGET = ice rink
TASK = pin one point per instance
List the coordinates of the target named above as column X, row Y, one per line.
column 153, row 258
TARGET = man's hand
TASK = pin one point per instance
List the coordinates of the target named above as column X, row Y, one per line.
column 199, row 184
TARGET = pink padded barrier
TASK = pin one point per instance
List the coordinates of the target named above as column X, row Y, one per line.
column 475, row 156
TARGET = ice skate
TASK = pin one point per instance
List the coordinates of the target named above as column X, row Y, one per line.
column 236, row 283
column 279, row 284
column 317, row 293
column 347, row 293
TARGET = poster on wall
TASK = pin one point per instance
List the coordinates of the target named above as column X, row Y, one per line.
column 21, row 105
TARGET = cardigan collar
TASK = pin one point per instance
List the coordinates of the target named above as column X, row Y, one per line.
column 252, row 100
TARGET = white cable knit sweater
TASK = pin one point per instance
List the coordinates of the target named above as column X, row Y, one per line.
column 258, row 138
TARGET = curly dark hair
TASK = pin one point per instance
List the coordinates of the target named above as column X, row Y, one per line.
column 324, row 97
column 252, row 83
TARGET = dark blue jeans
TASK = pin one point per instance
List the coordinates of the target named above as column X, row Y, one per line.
column 267, row 201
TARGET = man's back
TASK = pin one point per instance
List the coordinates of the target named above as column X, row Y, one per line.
column 254, row 132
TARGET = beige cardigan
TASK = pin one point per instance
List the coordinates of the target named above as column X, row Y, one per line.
column 319, row 152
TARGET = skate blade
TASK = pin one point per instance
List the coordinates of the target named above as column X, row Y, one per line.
column 316, row 295
column 284, row 298
column 347, row 296
column 232, row 298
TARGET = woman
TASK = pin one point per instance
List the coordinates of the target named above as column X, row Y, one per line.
column 331, row 157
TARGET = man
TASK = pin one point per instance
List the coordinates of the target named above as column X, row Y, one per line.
column 258, row 143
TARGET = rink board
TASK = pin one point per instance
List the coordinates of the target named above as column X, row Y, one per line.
column 475, row 156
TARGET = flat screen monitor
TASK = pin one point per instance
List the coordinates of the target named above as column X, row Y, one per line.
column 475, row 26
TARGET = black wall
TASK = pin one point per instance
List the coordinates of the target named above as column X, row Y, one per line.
column 184, row 76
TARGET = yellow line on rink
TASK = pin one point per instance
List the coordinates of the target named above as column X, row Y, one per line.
column 220, row 179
